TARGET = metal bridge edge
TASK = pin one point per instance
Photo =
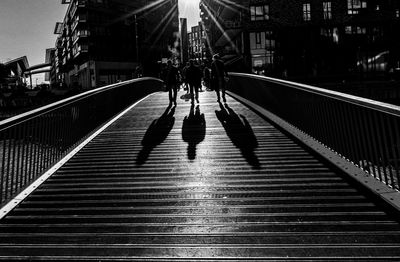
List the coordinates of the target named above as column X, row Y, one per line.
column 26, row 192
column 384, row 192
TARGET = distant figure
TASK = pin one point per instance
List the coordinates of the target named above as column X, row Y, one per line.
column 207, row 77
column 184, row 76
column 171, row 78
column 138, row 72
column 193, row 75
column 218, row 74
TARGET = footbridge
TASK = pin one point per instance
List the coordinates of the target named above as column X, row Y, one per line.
column 280, row 172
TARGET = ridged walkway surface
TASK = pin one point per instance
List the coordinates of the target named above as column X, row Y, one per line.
column 197, row 183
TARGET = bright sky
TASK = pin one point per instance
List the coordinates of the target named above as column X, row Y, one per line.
column 27, row 26
column 189, row 9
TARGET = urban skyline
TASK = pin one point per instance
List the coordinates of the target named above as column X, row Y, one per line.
column 17, row 39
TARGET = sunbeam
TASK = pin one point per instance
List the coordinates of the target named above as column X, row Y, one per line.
column 147, row 8
column 229, row 4
column 220, row 28
column 208, row 41
column 164, row 22
column 165, row 26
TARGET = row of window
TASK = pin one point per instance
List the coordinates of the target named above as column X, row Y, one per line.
column 263, row 44
column 262, row 12
column 194, row 35
column 262, row 40
column 266, row 41
column 196, row 43
column 196, row 49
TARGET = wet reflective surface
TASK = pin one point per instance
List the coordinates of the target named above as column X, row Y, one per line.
column 206, row 181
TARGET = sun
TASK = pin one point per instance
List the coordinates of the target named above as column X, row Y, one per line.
column 189, row 9
column 191, row 2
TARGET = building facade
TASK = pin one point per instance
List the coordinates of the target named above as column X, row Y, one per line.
column 308, row 38
column 197, row 43
column 12, row 73
column 104, row 41
column 184, row 41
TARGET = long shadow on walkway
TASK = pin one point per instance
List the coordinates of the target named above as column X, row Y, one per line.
column 193, row 130
column 240, row 132
column 156, row 134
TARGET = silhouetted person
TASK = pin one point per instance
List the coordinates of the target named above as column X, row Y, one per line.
column 138, row 72
column 171, row 78
column 240, row 133
column 207, row 77
column 218, row 74
column 193, row 76
column 184, row 77
column 157, row 132
column 193, row 130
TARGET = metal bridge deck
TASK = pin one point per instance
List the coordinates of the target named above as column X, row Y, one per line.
column 197, row 183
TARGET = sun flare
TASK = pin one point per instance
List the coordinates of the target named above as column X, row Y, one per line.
column 191, row 2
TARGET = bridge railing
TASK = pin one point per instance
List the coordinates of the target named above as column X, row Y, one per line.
column 363, row 131
column 33, row 142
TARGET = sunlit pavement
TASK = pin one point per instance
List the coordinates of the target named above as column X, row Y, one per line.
column 209, row 180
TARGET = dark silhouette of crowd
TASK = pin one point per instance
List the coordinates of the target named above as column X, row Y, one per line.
column 193, row 76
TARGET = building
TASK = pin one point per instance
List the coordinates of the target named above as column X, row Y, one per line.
column 12, row 73
column 184, row 41
column 310, row 38
column 224, row 30
column 102, row 42
column 50, row 76
column 197, row 43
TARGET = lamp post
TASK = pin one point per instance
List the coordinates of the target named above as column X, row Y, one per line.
column 136, row 39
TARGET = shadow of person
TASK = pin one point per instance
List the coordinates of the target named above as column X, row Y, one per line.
column 193, row 130
column 156, row 134
column 240, row 133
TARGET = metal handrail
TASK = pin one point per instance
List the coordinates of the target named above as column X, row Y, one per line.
column 33, row 142
column 363, row 131
column 361, row 101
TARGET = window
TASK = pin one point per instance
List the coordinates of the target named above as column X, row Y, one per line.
column 262, row 40
column 259, row 12
column 259, row 44
column 307, row 12
column 354, row 6
column 327, row 6
column 262, row 46
column 331, row 33
column 327, row 32
column 355, row 30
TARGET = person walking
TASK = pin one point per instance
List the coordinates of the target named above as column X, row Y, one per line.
column 194, row 75
column 207, row 77
column 171, row 78
column 184, row 75
column 218, row 74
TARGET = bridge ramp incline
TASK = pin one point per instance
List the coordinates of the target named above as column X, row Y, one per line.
column 196, row 183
